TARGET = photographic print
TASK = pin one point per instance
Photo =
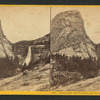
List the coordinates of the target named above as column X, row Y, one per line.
column 49, row 48
column 75, row 57
column 25, row 48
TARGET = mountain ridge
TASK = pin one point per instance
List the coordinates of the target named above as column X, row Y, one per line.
column 68, row 32
column 5, row 46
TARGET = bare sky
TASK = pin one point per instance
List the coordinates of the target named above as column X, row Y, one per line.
column 29, row 22
column 91, row 17
column 25, row 23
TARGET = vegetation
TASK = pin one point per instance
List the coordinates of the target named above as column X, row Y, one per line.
column 33, row 64
column 74, row 68
column 8, row 67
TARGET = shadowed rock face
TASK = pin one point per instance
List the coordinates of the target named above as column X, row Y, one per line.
column 35, row 53
column 97, row 46
column 21, row 49
column 5, row 46
column 8, row 60
column 68, row 35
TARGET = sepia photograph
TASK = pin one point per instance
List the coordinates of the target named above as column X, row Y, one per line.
column 49, row 48
column 24, row 48
column 75, row 47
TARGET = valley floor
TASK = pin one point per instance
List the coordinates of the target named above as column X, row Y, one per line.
column 40, row 80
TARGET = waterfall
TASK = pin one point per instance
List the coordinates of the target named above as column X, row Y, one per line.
column 28, row 57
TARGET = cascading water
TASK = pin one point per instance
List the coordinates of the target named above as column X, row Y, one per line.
column 28, row 57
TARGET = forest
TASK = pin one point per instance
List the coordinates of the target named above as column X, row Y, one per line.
column 72, row 69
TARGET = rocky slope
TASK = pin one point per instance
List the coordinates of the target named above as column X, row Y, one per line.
column 28, row 81
column 39, row 79
column 40, row 45
column 5, row 46
column 92, row 84
column 68, row 35
column 97, row 46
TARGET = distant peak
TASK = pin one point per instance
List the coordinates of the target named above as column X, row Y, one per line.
column 1, row 31
column 71, row 12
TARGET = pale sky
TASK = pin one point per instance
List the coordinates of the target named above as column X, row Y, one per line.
column 29, row 22
column 25, row 23
column 91, row 17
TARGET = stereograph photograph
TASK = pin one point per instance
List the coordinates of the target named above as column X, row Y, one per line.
column 49, row 48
